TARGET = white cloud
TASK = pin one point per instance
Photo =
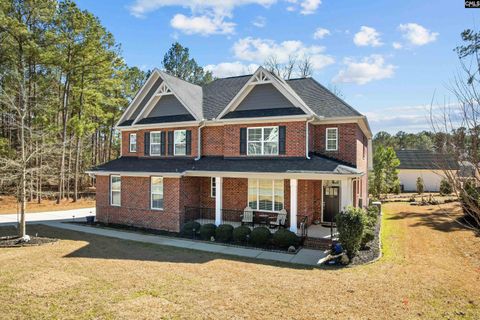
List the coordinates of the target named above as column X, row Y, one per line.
column 321, row 33
column 416, row 34
column 397, row 45
column 259, row 22
column 203, row 25
column 367, row 36
column 207, row 16
column 230, row 69
column 258, row 50
column 368, row 69
column 220, row 7
column 309, row 6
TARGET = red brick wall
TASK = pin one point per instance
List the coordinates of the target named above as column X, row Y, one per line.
column 347, row 141
column 212, row 141
column 295, row 136
column 135, row 202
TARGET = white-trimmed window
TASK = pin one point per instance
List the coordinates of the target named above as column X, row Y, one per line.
column 155, row 143
column 213, row 187
column 180, row 142
column 132, row 142
column 115, row 190
column 262, row 141
column 156, row 193
column 265, row 194
column 331, row 137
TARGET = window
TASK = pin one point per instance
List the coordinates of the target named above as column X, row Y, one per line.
column 155, row 143
column 265, row 195
column 331, row 143
column 133, row 142
column 213, row 187
column 180, row 143
column 365, row 146
column 156, row 192
column 262, row 141
column 115, row 190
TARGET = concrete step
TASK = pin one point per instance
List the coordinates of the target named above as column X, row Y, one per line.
column 317, row 243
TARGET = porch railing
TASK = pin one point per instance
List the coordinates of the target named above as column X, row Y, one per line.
column 303, row 227
column 207, row 215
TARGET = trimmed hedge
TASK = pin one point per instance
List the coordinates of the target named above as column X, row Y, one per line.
column 368, row 235
column 350, row 226
column 207, row 231
column 260, row 236
column 241, row 234
column 224, row 233
column 285, row 238
column 187, row 229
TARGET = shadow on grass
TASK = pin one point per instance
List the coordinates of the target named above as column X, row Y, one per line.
column 434, row 217
column 101, row 247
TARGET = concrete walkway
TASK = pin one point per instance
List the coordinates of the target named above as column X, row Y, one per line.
column 303, row 257
column 49, row 216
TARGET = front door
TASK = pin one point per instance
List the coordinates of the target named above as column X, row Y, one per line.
column 331, row 203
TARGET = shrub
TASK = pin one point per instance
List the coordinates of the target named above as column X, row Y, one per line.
column 445, row 187
column 207, row 231
column 470, row 198
column 420, row 185
column 260, row 236
column 240, row 234
column 368, row 235
column 285, row 238
column 224, row 233
column 188, row 228
column 350, row 226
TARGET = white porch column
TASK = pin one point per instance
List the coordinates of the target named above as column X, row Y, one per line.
column 346, row 194
column 218, row 200
column 293, row 204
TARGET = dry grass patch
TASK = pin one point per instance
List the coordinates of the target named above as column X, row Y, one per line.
column 8, row 205
column 430, row 270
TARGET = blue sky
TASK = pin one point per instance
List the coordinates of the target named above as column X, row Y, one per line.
column 387, row 58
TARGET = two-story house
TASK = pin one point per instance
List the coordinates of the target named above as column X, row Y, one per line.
column 253, row 141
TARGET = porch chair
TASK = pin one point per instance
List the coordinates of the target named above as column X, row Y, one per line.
column 279, row 221
column 247, row 216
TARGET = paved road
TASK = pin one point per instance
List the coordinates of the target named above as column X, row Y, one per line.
column 49, row 216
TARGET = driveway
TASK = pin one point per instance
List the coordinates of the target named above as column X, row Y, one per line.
column 48, row 216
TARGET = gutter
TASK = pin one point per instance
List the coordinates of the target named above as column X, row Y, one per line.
column 307, row 144
column 199, row 140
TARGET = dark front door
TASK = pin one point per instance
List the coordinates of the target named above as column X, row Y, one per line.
column 331, row 201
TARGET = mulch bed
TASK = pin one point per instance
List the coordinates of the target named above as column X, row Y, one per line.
column 372, row 250
column 14, row 241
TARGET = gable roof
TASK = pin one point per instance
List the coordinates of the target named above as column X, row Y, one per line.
column 209, row 101
column 428, row 160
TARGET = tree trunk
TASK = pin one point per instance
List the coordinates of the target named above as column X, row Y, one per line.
column 61, row 181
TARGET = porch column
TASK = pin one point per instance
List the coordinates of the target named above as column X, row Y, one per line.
column 346, row 193
column 293, row 204
column 218, row 200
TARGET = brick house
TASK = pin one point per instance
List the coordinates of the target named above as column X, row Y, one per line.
column 252, row 141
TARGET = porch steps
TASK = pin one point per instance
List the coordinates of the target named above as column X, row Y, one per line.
column 317, row 243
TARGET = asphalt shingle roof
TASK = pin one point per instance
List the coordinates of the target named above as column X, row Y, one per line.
column 219, row 164
column 422, row 159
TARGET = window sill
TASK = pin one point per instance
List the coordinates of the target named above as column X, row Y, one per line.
column 156, row 209
column 115, row 205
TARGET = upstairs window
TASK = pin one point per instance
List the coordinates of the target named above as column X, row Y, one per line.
column 155, row 143
column 115, row 190
column 331, row 143
column 156, row 193
column 180, row 143
column 265, row 195
column 133, row 142
column 262, row 141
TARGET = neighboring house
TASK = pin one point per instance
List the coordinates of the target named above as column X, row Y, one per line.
column 253, row 141
column 430, row 166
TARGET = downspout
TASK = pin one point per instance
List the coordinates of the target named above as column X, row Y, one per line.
column 307, row 144
column 199, row 140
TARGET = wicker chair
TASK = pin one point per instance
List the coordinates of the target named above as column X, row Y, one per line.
column 278, row 221
column 247, row 216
